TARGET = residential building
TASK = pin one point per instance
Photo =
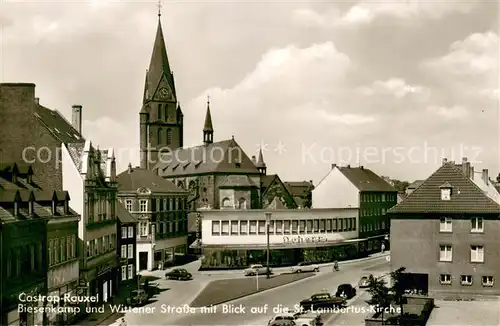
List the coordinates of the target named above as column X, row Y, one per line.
column 32, row 220
column 361, row 188
column 450, row 225
column 301, row 192
column 414, row 185
column 160, row 208
column 238, row 238
column 127, row 244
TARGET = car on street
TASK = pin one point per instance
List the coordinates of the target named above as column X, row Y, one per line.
column 179, row 274
column 305, row 267
column 283, row 322
column 346, row 291
column 256, row 269
column 308, row 319
column 322, row 301
column 137, row 298
column 282, row 316
column 364, row 282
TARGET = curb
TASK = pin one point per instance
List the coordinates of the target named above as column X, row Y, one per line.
column 259, row 292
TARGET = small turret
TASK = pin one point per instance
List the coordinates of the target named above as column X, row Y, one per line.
column 208, row 130
column 261, row 165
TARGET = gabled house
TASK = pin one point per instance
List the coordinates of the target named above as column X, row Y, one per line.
column 272, row 187
column 301, row 192
column 450, row 226
column 359, row 188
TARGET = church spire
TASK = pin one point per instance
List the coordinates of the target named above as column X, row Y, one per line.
column 261, row 166
column 208, row 129
column 159, row 66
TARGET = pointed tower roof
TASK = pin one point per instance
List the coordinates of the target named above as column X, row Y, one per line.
column 208, row 119
column 159, row 65
column 260, row 160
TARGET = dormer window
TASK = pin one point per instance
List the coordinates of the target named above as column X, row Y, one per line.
column 446, row 191
column 16, row 208
column 31, row 207
column 54, row 207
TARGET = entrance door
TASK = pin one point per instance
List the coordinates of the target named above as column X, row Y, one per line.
column 143, row 260
column 105, row 291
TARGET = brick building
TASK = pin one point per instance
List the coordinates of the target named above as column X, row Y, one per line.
column 450, row 225
column 160, row 208
column 127, row 245
column 32, row 220
column 358, row 187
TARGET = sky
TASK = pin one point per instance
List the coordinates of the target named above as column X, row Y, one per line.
column 393, row 86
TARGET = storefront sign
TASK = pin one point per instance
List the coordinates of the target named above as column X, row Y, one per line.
column 300, row 239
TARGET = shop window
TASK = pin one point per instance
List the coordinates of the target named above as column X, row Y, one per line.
column 302, row 226
column 315, row 226
column 215, row 227
column 234, row 227
column 295, row 227
column 322, row 226
column 328, row 225
column 262, row 227
column 243, row 227
column 225, row 228
column 287, row 227
column 253, row 227
column 309, row 228
column 279, row 227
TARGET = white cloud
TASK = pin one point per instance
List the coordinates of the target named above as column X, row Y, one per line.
column 366, row 12
column 395, row 87
column 454, row 112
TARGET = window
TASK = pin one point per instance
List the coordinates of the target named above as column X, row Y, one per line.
column 226, row 202
column 124, row 232
column 242, row 203
column 225, row 228
column 56, row 251
column 445, row 225
column 169, row 136
column 445, row 279
column 143, row 205
column 124, row 273
column 315, row 226
column 334, row 225
column 253, row 227
column 62, row 249
column 295, row 227
column 302, row 226
column 51, row 260
column 466, row 279
column 309, row 226
column 445, row 194
column 271, row 227
column 143, row 229
column 477, row 254
column 322, row 226
column 328, row 225
column 166, row 113
column 234, row 227
column 159, row 113
column 354, row 226
column 488, row 281
column 159, row 137
column 130, row 231
column 215, row 227
column 69, row 253
column 445, row 253
column 130, row 271
column 243, row 227
column 130, row 251
column 128, row 205
column 262, row 227
column 124, row 251
column 279, row 227
column 477, row 224
column 287, row 227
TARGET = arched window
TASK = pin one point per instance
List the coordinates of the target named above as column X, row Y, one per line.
column 242, row 203
column 159, row 138
column 192, row 184
column 169, row 136
column 166, row 113
column 180, row 184
column 226, row 202
column 160, row 111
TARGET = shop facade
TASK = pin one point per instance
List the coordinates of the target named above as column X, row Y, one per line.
column 161, row 252
column 62, row 280
column 238, row 238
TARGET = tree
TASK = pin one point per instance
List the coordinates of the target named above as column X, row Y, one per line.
column 400, row 185
column 398, row 287
column 379, row 291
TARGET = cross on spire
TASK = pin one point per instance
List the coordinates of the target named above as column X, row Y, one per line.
column 159, row 5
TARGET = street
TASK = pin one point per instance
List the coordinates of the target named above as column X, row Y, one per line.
column 252, row 310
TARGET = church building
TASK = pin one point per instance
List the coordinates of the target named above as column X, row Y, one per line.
column 217, row 174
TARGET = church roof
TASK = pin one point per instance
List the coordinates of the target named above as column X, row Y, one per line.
column 237, row 181
column 208, row 120
column 220, row 157
column 466, row 196
column 260, row 160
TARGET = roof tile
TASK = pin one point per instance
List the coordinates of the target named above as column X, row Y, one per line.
column 365, row 179
column 141, row 178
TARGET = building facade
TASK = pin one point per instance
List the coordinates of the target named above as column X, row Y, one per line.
column 238, row 238
column 358, row 187
column 31, row 219
column 450, row 225
column 161, row 210
column 127, row 244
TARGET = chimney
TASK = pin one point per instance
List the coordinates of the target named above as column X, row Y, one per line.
column 466, row 167
column 130, row 168
column 485, row 176
column 445, row 160
column 77, row 118
column 362, row 167
column 334, row 166
column 37, row 100
column 472, row 172
column 254, row 160
column 348, row 166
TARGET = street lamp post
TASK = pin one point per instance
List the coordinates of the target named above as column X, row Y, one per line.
column 268, row 221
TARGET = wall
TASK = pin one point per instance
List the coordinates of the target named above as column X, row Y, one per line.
column 73, row 183
column 19, row 130
column 335, row 190
column 422, row 238
column 63, row 274
column 144, row 247
column 209, row 215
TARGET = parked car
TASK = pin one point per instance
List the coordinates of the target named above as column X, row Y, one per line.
column 179, row 274
column 322, row 301
column 283, row 322
column 308, row 319
column 283, row 316
column 305, row 267
column 346, row 291
column 137, row 298
column 364, row 282
column 256, row 269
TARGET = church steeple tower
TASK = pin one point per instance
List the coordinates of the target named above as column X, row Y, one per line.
column 161, row 119
column 208, row 129
column 261, row 166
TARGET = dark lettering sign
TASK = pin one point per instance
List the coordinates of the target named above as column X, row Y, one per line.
column 300, row 239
